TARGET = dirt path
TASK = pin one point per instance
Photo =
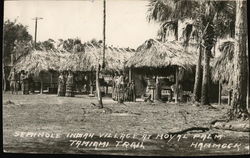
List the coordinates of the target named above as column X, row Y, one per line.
column 63, row 116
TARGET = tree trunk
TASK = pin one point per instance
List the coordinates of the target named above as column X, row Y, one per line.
column 4, row 78
column 98, row 90
column 176, row 84
column 197, row 83
column 248, row 91
column 240, row 61
column 220, row 89
column 205, row 78
column 247, row 78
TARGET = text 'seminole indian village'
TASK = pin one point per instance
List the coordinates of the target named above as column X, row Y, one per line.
column 123, row 77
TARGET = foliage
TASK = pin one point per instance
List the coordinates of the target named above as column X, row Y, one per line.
column 223, row 66
column 13, row 33
column 46, row 45
column 72, row 45
column 168, row 12
column 211, row 19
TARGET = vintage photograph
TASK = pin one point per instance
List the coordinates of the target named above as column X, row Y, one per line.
column 126, row 77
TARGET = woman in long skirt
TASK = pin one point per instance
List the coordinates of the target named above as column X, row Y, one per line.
column 120, row 97
column 61, row 85
column 69, row 85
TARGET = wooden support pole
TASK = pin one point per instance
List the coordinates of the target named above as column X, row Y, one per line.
column 91, row 83
column 229, row 97
column 107, row 89
column 130, row 75
column 220, row 89
column 41, row 90
column 153, row 94
column 171, row 96
column 156, row 89
column 41, row 80
column 11, row 59
column 51, row 78
column 176, row 84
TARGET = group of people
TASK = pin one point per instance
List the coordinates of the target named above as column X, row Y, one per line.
column 66, row 84
column 122, row 90
column 25, row 81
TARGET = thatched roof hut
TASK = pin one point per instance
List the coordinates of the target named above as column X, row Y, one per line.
column 36, row 61
column 115, row 59
column 223, row 66
column 154, row 58
column 155, row 54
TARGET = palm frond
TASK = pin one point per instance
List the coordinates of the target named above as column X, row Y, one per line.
column 222, row 69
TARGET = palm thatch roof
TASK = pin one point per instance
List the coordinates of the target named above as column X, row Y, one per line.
column 223, row 66
column 154, row 54
column 115, row 59
column 36, row 61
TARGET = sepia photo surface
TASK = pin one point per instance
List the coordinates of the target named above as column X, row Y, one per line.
column 126, row 77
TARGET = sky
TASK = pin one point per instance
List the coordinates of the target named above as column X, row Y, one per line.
column 126, row 24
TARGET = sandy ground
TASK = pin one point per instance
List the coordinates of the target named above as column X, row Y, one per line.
column 52, row 114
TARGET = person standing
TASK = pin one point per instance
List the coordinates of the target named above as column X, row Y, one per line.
column 121, row 89
column 70, row 85
column 114, row 87
column 61, row 85
column 13, row 81
column 132, row 91
column 24, row 83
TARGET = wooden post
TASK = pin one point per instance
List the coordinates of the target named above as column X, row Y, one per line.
column 41, row 80
column 41, row 90
column 153, row 94
column 229, row 97
column 51, row 79
column 220, row 89
column 130, row 75
column 157, row 95
column 91, row 83
column 176, row 84
column 107, row 89
column 11, row 59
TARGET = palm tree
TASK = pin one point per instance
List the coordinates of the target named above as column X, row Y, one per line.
column 98, row 90
column 240, row 62
column 169, row 12
column 205, row 15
